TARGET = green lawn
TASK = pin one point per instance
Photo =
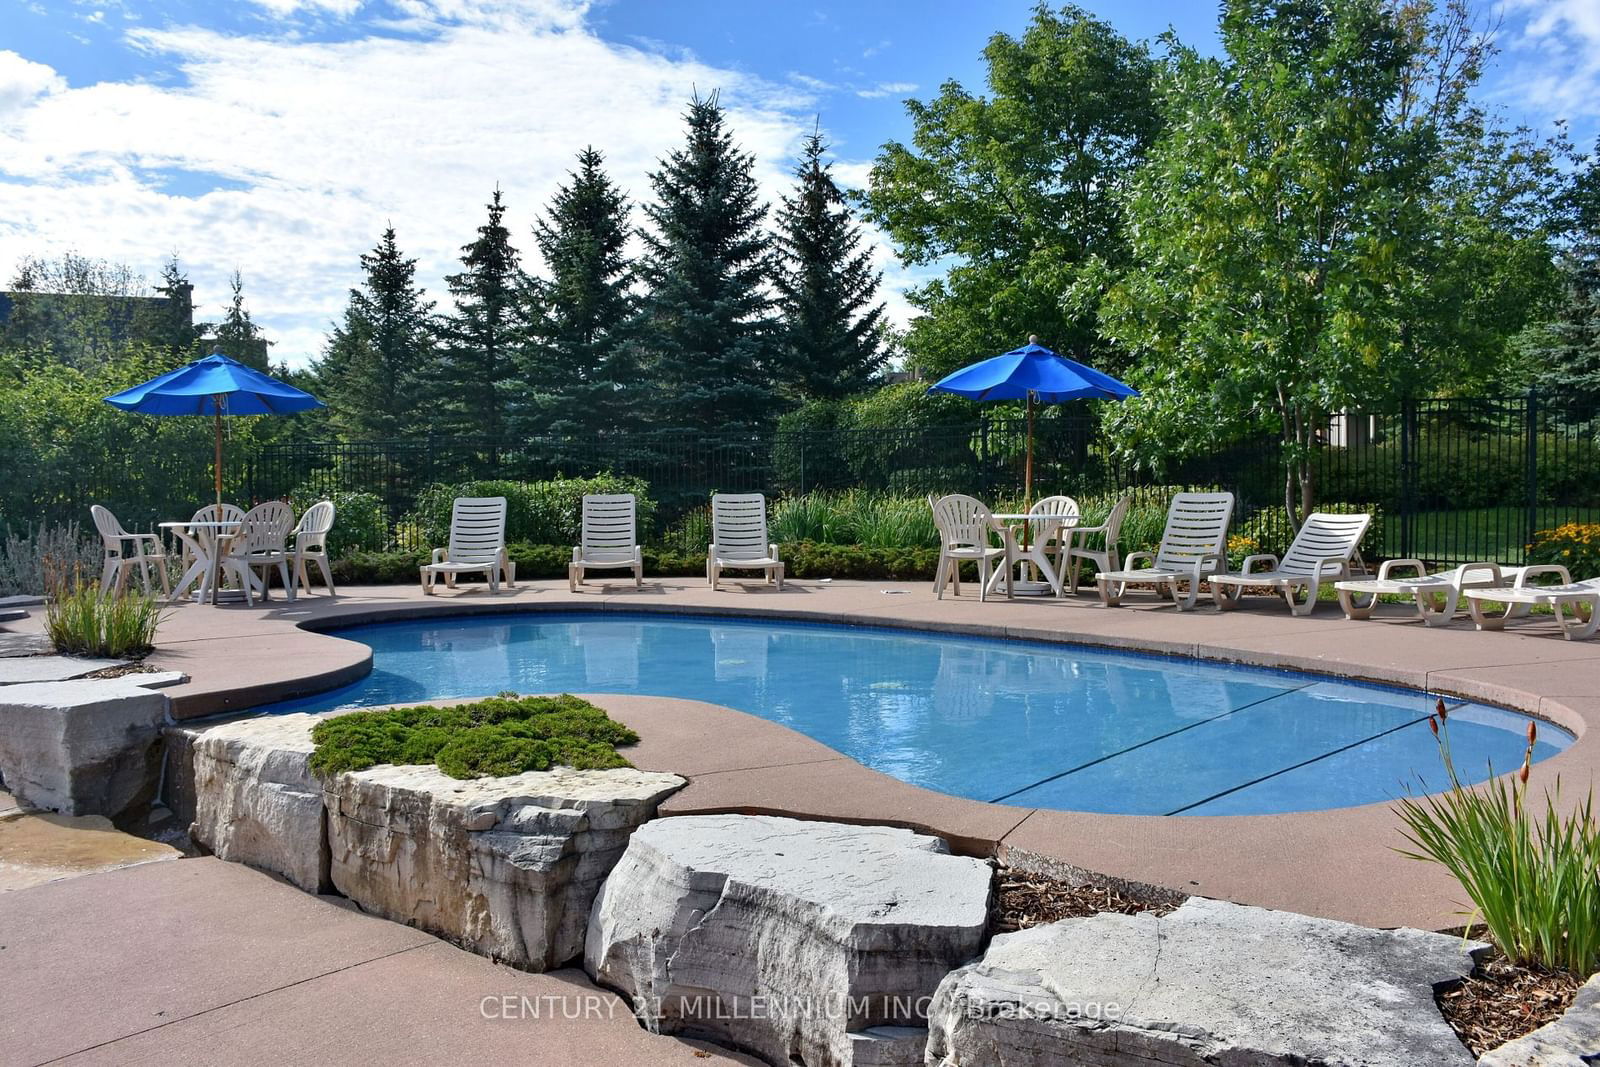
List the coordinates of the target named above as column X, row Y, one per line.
column 1496, row 534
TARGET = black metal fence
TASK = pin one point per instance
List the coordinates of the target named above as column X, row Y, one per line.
column 1448, row 480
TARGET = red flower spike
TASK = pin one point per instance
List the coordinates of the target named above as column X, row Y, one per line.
column 1442, row 711
column 1433, row 724
column 1533, row 731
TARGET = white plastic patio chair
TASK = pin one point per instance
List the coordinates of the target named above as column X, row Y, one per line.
column 966, row 528
column 477, row 544
column 311, row 545
column 1047, row 538
column 1436, row 596
column 739, row 538
column 1193, row 546
column 1567, row 596
column 1104, row 558
column 1320, row 552
column 124, row 551
column 609, row 539
column 261, row 543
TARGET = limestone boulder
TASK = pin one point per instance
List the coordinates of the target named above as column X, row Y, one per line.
column 83, row 747
column 507, row 867
column 803, row 942
column 1571, row 1041
column 1210, row 983
column 255, row 798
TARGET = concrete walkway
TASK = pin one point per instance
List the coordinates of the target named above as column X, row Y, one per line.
column 201, row 961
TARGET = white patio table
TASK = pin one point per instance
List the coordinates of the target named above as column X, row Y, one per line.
column 1034, row 554
column 207, row 552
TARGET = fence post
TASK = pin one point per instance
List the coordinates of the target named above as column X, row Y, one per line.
column 1408, row 429
column 803, row 435
column 1533, row 468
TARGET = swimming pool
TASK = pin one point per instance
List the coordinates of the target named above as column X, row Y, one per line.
column 1026, row 723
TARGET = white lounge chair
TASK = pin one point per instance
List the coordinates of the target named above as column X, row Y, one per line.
column 477, row 544
column 1104, row 558
column 124, row 551
column 1193, row 546
column 610, row 538
column 1053, row 531
column 1436, row 596
column 1320, row 552
column 261, row 543
column 966, row 528
column 311, row 545
column 739, row 538
column 1568, row 595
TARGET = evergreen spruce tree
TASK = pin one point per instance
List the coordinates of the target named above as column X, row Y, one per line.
column 706, row 318
column 485, row 337
column 377, row 357
column 1566, row 349
column 832, row 335
column 580, row 363
column 237, row 335
column 173, row 323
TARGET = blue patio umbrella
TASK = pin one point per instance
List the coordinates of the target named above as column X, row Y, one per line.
column 1035, row 374
column 214, row 386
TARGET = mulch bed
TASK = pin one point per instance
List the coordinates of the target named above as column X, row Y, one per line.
column 123, row 669
column 1501, row 1001
column 1023, row 899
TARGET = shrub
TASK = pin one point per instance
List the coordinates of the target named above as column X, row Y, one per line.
column 26, row 557
column 360, row 521
column 82, row 621
column 501, row 736
column 1575, row 546
column 1531, row 876
column 807, row 452
column 549, row 512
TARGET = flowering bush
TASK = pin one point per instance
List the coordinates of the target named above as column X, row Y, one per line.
column 1575, row 545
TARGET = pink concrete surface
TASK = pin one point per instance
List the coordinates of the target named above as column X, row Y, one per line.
column 1340, row 864
column 205, row 962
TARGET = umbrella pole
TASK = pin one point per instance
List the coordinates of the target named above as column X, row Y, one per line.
column 216, row 465
column 1027, row 469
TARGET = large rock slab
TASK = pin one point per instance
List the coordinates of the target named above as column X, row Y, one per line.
column 256, row 800
column 21, row 669
column 507, row 867
column 783, row 937
column 83, row 747
column 1211, row 983
column 1571, row 1041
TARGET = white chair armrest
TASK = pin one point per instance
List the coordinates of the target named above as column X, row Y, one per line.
column 1484, row 572
column 772, row 550
column 711, row 550
column 1544, row 568
column 1132, row 561
column 439, row 555
column 577, row 553
column 1334, row 566
column 1217, row 563
column 1388, row 566
column 1251, row 561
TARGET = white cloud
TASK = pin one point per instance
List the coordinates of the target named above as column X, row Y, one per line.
column 22, row 81
column 883, row 89
column 294, row 154
column 1552, row 57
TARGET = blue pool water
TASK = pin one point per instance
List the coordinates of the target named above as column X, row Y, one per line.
column 1034, row 724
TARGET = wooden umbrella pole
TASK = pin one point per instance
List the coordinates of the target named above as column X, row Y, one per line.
column 216, row 465
column 1027, row 478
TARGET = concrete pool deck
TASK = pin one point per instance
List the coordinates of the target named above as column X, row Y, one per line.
column 1338, row 864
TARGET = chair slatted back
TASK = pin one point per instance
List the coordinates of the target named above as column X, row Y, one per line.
column 266, row 528
column 963, row 521
column 215, row 513
column 1197, row 526
column 477, row 529
column 1059, row 507
column 610, row 527
column 111, row 531
column 312, row 531
column 1114, row 521
column 1323, row 536
column 739, row 525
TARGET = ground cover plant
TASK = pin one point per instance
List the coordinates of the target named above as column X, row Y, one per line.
column 503, row 735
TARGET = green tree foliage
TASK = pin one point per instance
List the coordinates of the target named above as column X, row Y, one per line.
column 706, row 319
column 171, row 323
column 485, row 337
column 75, row 309
column 582, row 364
column 372, row 371
column 1019, row 189
column 237, row 336
column 833, row 332
column 1565, row 350
column 1288, row 230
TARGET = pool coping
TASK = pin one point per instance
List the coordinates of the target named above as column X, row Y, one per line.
column 1339, row 863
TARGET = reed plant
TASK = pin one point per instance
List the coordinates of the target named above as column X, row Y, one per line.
column 1531, row 872
column 81, row 620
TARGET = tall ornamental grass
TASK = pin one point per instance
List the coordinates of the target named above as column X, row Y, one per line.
column 80, row 620
column 1533, row 876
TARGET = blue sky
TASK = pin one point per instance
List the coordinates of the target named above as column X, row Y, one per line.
column 279, row 136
